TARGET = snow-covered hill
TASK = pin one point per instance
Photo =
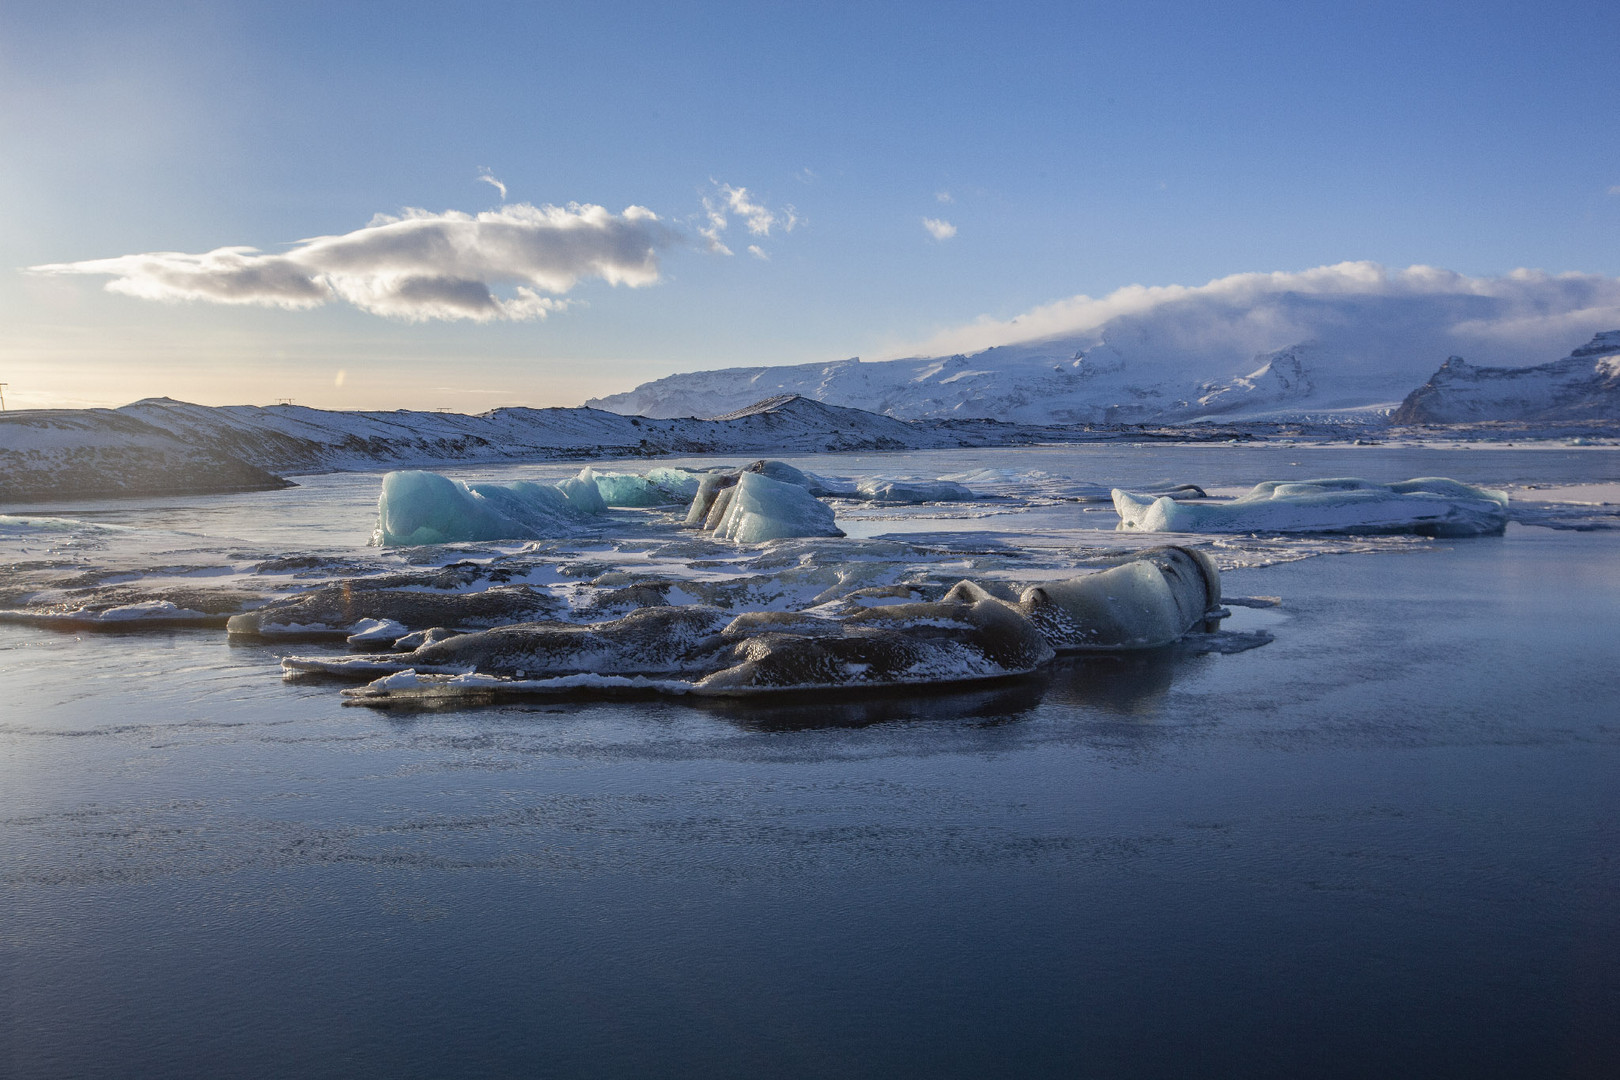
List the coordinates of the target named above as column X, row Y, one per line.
column 1327, row 343
column 159, row 445
column 1585, row 385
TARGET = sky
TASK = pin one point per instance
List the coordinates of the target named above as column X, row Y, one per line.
column 386, row 205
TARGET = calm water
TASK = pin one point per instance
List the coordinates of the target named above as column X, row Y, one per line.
column 1383, row 844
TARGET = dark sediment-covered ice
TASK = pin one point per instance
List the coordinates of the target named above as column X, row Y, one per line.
column 973, row 633
column 335, row 610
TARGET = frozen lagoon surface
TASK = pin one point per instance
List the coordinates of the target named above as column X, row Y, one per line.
column 1381, row 844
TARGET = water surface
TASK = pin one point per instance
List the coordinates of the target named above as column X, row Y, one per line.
column 1381, row 845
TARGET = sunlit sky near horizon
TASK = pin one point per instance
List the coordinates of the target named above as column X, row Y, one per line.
column 906, row 169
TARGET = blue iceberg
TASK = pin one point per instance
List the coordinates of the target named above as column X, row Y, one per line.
column 426, row 508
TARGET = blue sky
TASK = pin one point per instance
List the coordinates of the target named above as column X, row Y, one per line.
column 1074, row 148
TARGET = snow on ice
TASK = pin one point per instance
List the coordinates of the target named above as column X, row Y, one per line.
column 1428, row 506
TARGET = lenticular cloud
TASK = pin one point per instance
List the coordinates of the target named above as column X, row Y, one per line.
column 415, row 267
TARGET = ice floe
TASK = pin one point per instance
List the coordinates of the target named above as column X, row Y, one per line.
column 1157, row 597
column 973, row 632
column 1427, row 506
column 879, row 489
column 418, row 507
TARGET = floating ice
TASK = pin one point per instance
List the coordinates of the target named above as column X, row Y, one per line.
column 1428, row 506
column 376, row 633
column 657, row 487
column 784, row 473
column 703, row 650
column 971, row 634
column 426, row 508
column 750, row 508
column 879, row 489
column 900, row 645
column 336, row 610
column 141, row 615
column 1156, row 598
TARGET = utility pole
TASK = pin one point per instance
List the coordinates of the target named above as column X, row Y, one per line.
column 3, row 396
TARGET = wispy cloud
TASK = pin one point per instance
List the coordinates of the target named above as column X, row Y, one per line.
column 1615, row 189
column 416, row 266
column 758, row 252
column 1485, row 316
column 489, row 179
column 943, row 196
column 727, row 202
column 939, row 228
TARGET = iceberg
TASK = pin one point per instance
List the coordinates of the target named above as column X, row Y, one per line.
column 912, row 491
column 657, row 487
column 972, row 633
column 705, row 651
column 750, row 507
column 426, row 508
column 757, row 509
column 1156, row 598
column 1427, row 506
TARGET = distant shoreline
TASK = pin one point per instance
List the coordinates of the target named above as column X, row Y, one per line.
column 161, row 447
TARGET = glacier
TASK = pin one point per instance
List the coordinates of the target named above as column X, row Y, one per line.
column 1427, row 506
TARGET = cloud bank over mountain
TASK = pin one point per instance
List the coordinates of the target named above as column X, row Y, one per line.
column 1519, row 309
column 1352, row 337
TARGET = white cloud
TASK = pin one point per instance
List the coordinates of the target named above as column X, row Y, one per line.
column 416, row 266
column 1614, row 190
column 726, row 202
column 496, row 184
column 1491, row 318
column 943, row 196
column 758, row 252
column 939, row 228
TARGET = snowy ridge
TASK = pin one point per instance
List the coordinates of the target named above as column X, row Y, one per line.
column 1332, row 344
column 1585, row 385
column 158, row 445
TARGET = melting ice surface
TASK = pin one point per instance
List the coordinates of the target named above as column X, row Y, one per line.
column 1428, row 506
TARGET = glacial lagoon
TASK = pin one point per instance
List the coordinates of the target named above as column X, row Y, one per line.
column 1379, row 843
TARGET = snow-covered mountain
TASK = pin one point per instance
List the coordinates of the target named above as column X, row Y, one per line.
column 160, row 446
column 1332, row 342
column 1585, row 385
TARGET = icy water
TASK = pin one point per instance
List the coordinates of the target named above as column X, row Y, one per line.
column 1382, row 844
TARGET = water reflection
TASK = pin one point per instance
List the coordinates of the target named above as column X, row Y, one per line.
column 1126, row 684
column 1002, row 703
